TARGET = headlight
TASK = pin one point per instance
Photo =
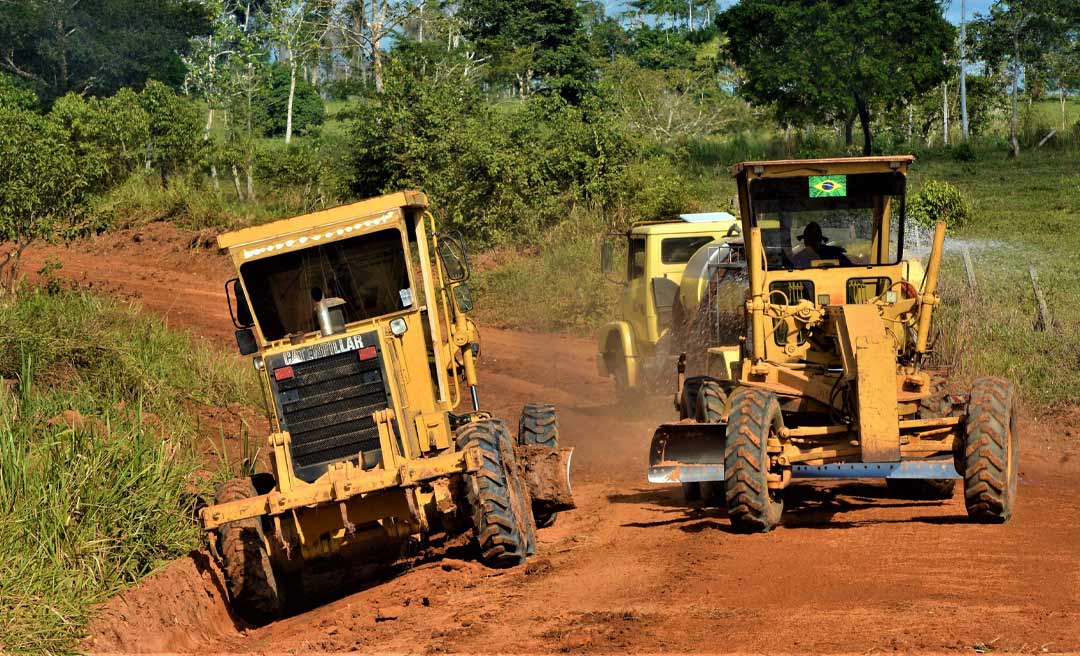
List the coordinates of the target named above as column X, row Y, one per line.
column 398, row 327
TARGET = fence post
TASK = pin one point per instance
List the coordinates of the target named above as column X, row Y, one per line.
column 969, row 269
column 1044, row 321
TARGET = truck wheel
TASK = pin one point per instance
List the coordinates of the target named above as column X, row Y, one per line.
column 752, row 506
column 709, row 410
column 249, row 574
column 539, row 426
column 932, row 407
column 497, row 499
column 689, row 396
column 991, row 451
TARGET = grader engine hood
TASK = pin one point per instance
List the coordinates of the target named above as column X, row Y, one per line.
column 326, row 394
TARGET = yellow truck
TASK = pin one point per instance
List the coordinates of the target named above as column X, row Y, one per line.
column 666, row 262
column 357, row 318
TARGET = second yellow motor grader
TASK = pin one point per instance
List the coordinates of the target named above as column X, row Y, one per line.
column 358, row 321
column 831, row 379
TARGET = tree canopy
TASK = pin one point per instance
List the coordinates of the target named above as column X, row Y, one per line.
column 97, row 47
column 833, row 59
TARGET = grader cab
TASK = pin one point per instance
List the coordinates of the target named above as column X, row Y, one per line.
column 833, row 378
column 357, row 318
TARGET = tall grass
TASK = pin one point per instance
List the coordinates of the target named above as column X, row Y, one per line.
column 97, row 467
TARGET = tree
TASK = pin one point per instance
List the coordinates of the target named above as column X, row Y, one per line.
column 837, row 58
column 533, row 43
column 174, row 129
column 364, row 26
column 96, row 47
column 308, row 110
column 298, row 27
column 1020, row 34
column 45, row 191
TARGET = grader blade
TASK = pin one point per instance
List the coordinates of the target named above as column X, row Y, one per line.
column 547, row 476
column 687, row 453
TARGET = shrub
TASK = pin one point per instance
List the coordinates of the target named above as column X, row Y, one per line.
column 97, row 466
column 109, row 134
column 938, row 200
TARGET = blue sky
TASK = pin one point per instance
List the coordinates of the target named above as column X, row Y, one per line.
column 953, row 13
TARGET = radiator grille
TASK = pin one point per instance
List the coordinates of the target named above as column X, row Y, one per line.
column 327, row 409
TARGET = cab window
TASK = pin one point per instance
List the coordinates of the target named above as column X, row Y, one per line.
column 679, row 250
column 635, row 260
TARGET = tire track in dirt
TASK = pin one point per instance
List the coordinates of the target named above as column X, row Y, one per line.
column 633, row 570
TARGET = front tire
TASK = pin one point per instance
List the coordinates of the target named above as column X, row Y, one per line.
column 249, row 574
column 752, row 506
column 497, row 499
column 934, row 406
column 709, row 409
column 539, row 426
column 991, row 451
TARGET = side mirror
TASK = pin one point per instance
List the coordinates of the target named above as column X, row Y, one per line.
column 245, row 341
column 607, row 257
column 239, row 311
column 454, row 260
column 463, row 297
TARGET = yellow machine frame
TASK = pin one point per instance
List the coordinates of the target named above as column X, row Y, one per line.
column 411, row 486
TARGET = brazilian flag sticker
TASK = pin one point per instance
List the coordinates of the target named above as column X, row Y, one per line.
column 828, row 186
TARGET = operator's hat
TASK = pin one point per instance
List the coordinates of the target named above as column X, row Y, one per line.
column 813, row 230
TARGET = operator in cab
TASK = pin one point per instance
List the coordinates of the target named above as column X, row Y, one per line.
column 817, row 250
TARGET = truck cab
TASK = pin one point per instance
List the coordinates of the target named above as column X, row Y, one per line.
column 651, row 307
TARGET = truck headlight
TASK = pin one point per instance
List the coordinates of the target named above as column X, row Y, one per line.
column 398, row 327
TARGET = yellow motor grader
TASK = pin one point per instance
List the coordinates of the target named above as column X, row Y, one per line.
column 357, row 318
column 832, row 338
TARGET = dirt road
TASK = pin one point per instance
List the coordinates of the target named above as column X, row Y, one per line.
column 632, row 569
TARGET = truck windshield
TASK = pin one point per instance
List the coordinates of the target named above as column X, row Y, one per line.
column 830, row 220
column 369, row 272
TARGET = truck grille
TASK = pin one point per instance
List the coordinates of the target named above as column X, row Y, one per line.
column 327, row 406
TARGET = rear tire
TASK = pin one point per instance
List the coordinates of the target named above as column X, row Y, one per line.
column 539, row 426
column 497, row 498
column 752, row 506
column 991, row 450
column 249, row 573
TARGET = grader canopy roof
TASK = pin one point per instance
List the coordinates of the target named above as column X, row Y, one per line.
column 820, row 213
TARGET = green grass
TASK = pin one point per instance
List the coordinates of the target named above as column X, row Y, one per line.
column 89, row 508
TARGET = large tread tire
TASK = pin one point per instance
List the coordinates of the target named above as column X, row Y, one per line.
column 498, row 501
column 752, row 507
column 934, row 406
column 991, row 451
column 689, row 397
column 709, row 409
column 539, row 426
column 249, row 573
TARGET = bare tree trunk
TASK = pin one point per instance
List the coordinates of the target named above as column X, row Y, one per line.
column 1015, row 82
column 292, row 95
column 849, row 125
column 236, row 183
column 1063, row 110
column 945, row 113
column 250, row 181
column 375, row 27
column 206, row 137
column 864, row 119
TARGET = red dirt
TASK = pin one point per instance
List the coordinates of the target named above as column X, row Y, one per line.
column 632, row 570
